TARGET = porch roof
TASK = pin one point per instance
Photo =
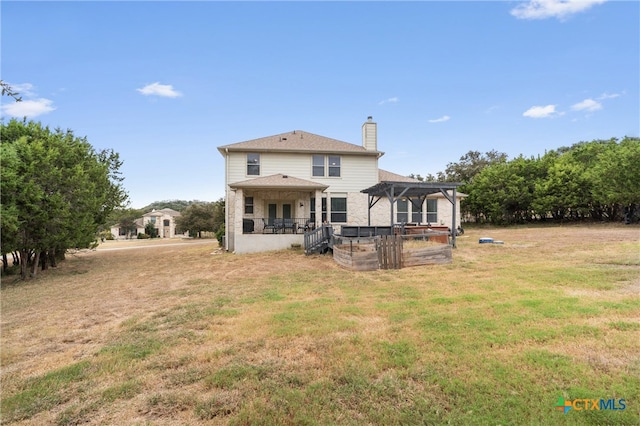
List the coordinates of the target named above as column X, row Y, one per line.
column 278, row 181
column 409, row 189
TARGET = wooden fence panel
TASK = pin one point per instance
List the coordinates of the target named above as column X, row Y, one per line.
column 389, row 249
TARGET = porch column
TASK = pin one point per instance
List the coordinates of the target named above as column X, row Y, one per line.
column 238, row 214
column 318, row 220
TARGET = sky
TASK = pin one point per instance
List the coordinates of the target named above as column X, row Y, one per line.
column 165, row 83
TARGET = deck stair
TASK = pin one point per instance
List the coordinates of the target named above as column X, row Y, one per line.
column 318, row 240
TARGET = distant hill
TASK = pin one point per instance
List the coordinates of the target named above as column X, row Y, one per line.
column 177, row 205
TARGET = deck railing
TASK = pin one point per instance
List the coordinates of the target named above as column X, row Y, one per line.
column 265, row 225
column 318, row 240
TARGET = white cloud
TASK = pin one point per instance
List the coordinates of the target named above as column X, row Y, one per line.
column 541, row 112
column 24, row 89
column 587, row 105
column 389, row 101
column 610, row 95
column 560, row 9
column 28, row 108
column 157, row 89
column 440, row 120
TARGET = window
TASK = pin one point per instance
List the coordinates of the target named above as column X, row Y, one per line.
column 339, row 210
column 122, row 231
column 325, row 165
column 416, row 211
column 312, row 214
column 166, row 222
column 253, row 164
column 402, row 215
column 432, row 211
column 334, row 166
column 318, row 165
column 152, row 219
column 248, row 205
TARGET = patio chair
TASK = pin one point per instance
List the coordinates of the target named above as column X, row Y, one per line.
column 290, row 224
column 278, row 224
column 268, row 225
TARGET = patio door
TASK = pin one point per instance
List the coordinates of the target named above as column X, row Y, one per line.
column 286, row 211
column 279, row 210
column 272, row 209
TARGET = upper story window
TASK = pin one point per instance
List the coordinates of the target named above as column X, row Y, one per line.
column 318, row 165
column 334, row 165
column 253, row 164
column 325, row 165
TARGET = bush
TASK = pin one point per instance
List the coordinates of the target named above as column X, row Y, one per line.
column 143, row 236
column 220, row 234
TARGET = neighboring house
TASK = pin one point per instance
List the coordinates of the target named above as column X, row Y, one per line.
column 164, row 221
column 279, row 186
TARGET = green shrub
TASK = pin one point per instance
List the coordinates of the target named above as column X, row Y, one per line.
column 220, row 234
column 143, row 236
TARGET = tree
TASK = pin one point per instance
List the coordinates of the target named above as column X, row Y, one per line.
column 7, row 90
column 64, row 190
column 472, row 163
column 202, row 217
column 616, row 177
column 177, row 205
column 125, row 219
column 151, row 230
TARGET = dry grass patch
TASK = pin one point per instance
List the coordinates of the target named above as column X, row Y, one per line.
column 174, row 334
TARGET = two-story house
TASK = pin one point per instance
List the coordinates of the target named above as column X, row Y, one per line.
column 279, row 186
column 164, row 221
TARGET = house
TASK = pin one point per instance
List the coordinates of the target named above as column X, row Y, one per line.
column 280, row 186
column 164, row 222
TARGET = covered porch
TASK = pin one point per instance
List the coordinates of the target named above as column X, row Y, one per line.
column 272, row 213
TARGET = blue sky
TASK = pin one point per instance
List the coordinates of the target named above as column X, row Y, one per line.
column 165, row 83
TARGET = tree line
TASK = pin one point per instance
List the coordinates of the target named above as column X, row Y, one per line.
column 56, row 190
column 597, row 180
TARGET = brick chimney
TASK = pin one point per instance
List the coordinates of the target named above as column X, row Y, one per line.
column 370, row 135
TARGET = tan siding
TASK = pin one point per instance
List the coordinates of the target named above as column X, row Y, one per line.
column 357, row 173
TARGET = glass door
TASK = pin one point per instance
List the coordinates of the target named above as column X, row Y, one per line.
column 273, row 212
column 286, row 211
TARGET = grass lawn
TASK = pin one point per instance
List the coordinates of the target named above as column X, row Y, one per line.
column 183, row 334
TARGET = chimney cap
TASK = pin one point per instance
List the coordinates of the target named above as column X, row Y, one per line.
column 369, row 118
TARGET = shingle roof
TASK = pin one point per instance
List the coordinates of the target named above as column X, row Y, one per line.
column 384, row 175
column 298, row 141
column 278, row 181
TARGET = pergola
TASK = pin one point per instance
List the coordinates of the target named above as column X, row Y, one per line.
column 414, row 191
